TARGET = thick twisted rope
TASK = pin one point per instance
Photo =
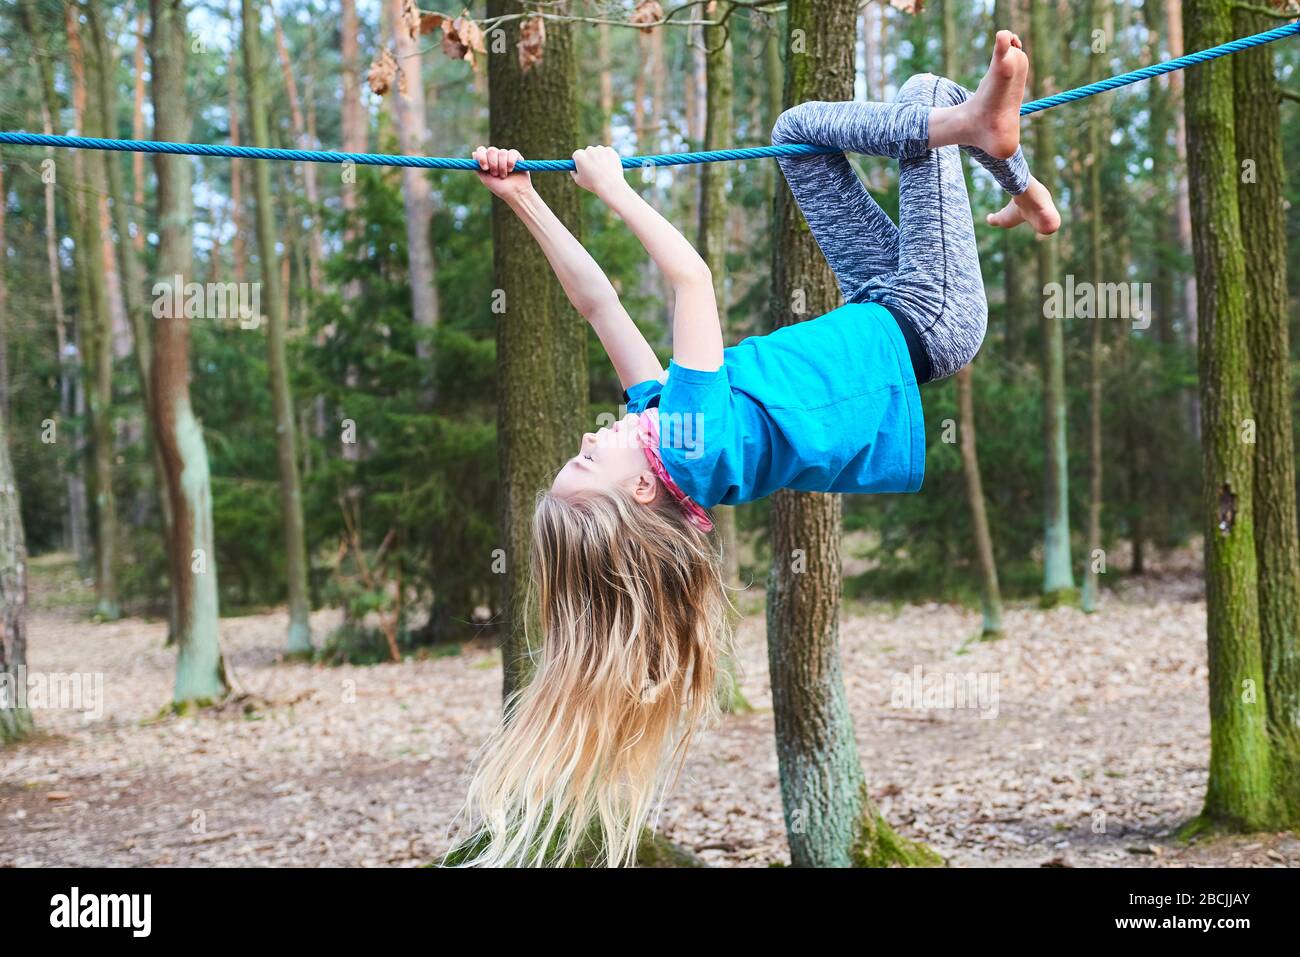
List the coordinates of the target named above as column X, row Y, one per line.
column 629, row 162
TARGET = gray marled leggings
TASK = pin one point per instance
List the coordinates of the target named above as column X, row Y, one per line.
column 926, row 269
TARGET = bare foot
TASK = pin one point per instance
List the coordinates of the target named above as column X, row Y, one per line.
column 1034, row 206
column 993, row 111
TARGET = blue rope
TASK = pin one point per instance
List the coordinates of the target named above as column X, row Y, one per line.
column 1169, row 66
column 629, row 162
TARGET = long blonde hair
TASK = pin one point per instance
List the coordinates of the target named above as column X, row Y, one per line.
column 634, row 616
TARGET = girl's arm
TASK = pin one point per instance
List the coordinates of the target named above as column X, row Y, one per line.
column 586, row 285
column 697, row 332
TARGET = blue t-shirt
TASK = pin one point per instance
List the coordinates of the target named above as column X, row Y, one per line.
column 826, row 405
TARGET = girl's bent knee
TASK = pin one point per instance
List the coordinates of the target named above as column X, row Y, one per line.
column 792, row 125
column 783, row 130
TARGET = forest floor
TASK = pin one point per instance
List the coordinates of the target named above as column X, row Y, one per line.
column 1090, row 751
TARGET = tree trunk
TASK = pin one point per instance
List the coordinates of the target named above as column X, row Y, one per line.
column 638, row 93
column 97, row 339
column 307, row 171
column 831, row 820
column 412, row 134
column 1095, row 556
column 1159, row 124
column 712, row 233
column 605, row 53
column 76, row 528
column 1239, row 791
column 542, row 392
column 693, row 82
column 200, row 669
column 15, row 721
column 100, row 66
column 136, row 308
column 1012, row 306
column 719, row 96
column 299, row 639
column 774, row 100
column 239, row 241
column 990, row 593
column 4, row 303
column 352, row 118
column 1261, row 199
column 1174, row 18
column 137, row 128
column 1058, row 574
column 873, row 85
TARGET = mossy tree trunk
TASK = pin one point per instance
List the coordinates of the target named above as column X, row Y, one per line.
column 1261, row 199
column 200, row 670
column 277, row 320
column 1239, row 791
column 830, row 819
column 1058, row 573
column 14, row 720
column 541, row 340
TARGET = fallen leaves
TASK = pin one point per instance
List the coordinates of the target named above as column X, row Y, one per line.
column 532, row 37
column 1097, row 754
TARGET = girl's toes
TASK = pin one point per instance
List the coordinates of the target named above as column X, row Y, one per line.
column 1006, row 217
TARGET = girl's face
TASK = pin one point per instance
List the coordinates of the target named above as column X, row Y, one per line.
column 612, row 457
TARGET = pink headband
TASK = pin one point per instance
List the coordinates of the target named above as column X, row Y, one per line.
column 696, row 515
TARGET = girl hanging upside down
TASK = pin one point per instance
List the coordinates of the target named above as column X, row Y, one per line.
column 633, row 608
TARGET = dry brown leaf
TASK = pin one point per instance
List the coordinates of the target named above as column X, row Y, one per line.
column 471, row 34
column 382, row 72
column 908, row 6
column 430, row 22
column 411, row 18
column 646, row 15
column 462, row 38
column 532, row 37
